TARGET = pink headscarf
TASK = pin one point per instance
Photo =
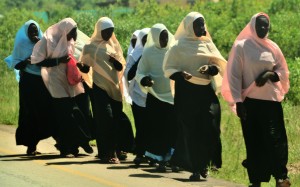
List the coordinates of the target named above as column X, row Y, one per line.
column 265, row 51
column 54, row 44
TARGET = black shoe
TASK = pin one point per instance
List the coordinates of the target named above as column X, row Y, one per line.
column 137, row 160
column 31, row 151
column 255, row 184
column 204, row 173
column 140, row 159
column 195, row 177
column 69, row 153
column 87, row 148
column 153, row 163
column 122, row 155
column 175, row 169
column 161, row 168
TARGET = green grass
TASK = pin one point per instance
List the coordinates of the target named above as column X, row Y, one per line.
column 9, row 102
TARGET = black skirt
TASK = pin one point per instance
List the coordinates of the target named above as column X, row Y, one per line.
column 161, row 128
column 194, row 148
column 35, row 112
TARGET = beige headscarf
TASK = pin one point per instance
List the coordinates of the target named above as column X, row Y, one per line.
column 54, row 44
column 190, row 52
column 96, row 54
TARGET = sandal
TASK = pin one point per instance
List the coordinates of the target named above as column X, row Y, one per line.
column 114, row 161
column 109, row 161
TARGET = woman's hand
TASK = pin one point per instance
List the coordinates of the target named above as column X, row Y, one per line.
column 264, row 77
column 209, row 70
column 118, row 66
column 186, row 75
column 147, row 81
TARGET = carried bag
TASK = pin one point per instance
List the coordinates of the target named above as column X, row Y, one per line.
column 73, row 74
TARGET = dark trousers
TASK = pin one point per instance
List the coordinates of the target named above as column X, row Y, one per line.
column 140, row 121
column 106, row 114
column 265, row 139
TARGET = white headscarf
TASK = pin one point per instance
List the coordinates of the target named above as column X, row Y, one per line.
column 134, row 35
column 137, row 52
column 54, row 44
column 124, row 81
column 151, row 64
column 135, row 94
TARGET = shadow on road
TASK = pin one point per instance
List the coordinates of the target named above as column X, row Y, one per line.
column 145, row 175
column 74, row 162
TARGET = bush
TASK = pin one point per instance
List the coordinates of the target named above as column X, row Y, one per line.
column 294, row 67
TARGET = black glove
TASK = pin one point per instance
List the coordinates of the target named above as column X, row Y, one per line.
column 83, row 68
column 35, row 39
column 265, row 76
column 132, row 70
column 50, row 62
column 147, row 82
column 181, row 75
column 211, row 70
column 118, row 66
column 241, row 110
column 22, row 65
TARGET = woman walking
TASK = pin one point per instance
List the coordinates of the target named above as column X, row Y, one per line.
column 138, row 97
column 53, row 52
column 105, row 56
column 35, row 102
column 194, row 63
column 159, row 103
column 256, row 80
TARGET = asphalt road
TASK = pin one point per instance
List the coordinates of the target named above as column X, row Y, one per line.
column 50, row 170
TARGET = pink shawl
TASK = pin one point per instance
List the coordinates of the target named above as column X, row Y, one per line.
column 249, row 57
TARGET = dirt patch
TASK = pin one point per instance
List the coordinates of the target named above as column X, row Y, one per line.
column 294, row 168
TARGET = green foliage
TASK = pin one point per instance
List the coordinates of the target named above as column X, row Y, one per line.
column 285, row 34
column 293, row 96
column 279, row 6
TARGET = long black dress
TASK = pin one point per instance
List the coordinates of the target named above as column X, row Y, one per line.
column 35, row 112
column 194, row 149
